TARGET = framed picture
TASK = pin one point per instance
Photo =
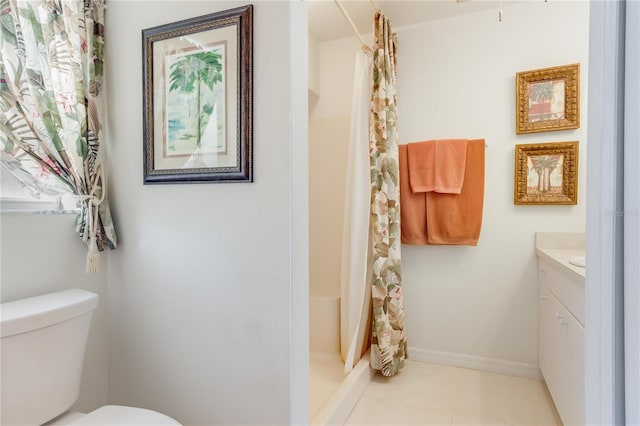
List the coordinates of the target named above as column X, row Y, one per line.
column 548, row 99
column 198, row 90
column 546, row 173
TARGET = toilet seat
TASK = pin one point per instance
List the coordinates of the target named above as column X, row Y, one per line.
column 119, row 415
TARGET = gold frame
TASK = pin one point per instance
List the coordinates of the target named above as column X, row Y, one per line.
column 570, row 118
column 564, row 194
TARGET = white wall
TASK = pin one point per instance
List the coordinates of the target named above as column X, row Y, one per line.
column 200, row 285
column 41, row 253
column 456, row 78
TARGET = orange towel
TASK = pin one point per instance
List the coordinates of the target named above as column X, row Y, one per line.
column 421, row 162
column 451, row 159
column 437, row 165
column 433, row 218
column 413, row 207
column 457, row 218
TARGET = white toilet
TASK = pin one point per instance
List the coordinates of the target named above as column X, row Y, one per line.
column 42, row 352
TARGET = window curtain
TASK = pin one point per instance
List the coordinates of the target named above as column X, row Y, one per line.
column 388, row 346
column 51, row 75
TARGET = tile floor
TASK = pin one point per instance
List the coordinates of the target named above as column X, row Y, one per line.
column 432, row 394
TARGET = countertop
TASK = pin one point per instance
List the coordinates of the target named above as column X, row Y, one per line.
column 560, row 257
column 559, row 247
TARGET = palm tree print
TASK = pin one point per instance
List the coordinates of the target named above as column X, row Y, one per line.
column 544, row 165
column 192, row 75
column 539, row 94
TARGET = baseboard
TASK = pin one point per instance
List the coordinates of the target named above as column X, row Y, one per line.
column 476, row 363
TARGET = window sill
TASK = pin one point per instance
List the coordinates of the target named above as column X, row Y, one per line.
column 37, row 211
column 61, row 205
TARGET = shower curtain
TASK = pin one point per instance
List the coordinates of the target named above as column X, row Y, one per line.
column 356, row 271
column 388, row 345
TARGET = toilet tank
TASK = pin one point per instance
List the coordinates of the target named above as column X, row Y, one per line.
column 42, row 352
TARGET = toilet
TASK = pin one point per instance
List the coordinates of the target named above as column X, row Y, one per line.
column 42, row 352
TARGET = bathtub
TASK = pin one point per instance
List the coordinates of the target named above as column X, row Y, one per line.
column 332, row 394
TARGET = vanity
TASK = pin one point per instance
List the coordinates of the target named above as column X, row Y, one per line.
column 561, row 313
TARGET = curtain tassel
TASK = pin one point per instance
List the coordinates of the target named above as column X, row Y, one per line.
column 93, row 257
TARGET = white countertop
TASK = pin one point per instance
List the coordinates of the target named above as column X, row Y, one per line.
column 559, row 247
column 561, row 256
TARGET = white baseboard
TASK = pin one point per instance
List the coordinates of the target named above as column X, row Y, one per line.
column 476, row 363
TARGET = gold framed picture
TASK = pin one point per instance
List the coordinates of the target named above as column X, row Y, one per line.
column 546, row 173
column 548, row 99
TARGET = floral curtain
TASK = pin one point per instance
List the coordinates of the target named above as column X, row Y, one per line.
column 51, row 74
column 388, row 346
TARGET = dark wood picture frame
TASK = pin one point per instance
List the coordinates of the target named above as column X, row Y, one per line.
column 198, row 99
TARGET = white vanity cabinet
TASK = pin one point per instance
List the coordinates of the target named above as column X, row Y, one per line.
column 561, row 306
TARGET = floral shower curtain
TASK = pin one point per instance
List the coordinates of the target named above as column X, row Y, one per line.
column 388, row 346
column 51, row 74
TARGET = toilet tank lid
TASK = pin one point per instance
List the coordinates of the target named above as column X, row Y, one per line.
column 24, row 315
column 116, row 415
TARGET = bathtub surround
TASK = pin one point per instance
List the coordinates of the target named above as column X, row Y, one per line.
column 347, row 393
column 388, row 341
column 332, row 393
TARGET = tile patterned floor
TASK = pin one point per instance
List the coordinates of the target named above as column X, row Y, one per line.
column 431, row 394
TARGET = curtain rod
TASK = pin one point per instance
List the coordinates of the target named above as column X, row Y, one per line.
column 355, row 29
